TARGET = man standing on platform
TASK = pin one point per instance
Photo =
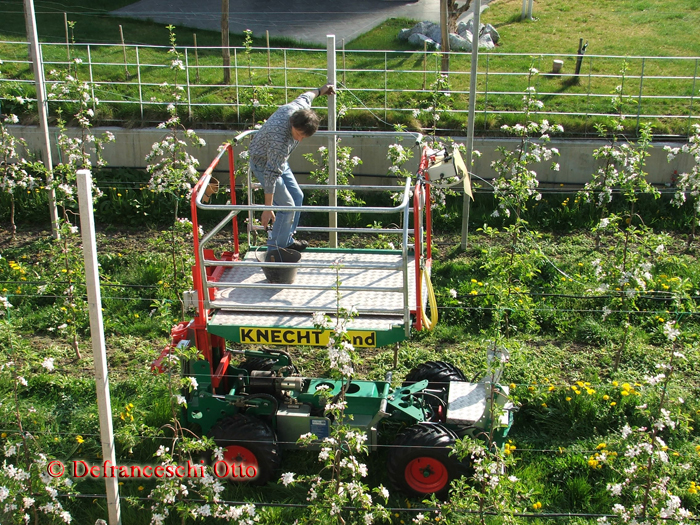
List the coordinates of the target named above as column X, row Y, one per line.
column 269, row 154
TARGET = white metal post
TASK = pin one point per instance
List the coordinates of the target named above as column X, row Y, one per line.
column 187, row 79
column 466, row 202
column 92, row 280
column 332, row 144
column 92, row 79
column 529, row 9
column 138, row 76
column 42, row 108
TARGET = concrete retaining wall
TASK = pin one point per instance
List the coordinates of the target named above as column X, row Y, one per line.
column 576, row 160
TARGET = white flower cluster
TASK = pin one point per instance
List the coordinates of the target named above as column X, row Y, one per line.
column 688, row 183
column 16, row 483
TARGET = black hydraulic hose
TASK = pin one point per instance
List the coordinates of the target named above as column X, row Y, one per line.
column 269, row 398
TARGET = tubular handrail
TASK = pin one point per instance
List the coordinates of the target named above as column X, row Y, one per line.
column 209, row 275
column 417, row 137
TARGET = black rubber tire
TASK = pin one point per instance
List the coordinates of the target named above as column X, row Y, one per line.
column 424, row 447
column 257, row 363
column 253, row 442
column 438, row 373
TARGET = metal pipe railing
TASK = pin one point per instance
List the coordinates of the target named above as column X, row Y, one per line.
column 206, row 290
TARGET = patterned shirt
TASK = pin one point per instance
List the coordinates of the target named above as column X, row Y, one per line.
column 273, row 143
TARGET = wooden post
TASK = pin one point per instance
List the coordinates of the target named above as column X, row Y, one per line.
column 126, row 62
column 65, row 22
column 445, row 36
column 225, row 51
column 97, row 334
column 267, row 39
column 196, row 57
column 43, row 109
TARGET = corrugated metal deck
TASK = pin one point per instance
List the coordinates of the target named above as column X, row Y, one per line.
column 245, row 298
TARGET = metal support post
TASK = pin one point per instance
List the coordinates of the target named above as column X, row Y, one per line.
column 43, row 109
column 138, row 76
column 99, row 348
column 466, row 200
column 332, row 144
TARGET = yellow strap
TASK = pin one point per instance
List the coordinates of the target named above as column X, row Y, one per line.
column 429, row 324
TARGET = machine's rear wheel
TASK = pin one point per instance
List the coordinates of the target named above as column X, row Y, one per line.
column 419, row 461
column 257, row 363
column 438, row 373
column 249, row 447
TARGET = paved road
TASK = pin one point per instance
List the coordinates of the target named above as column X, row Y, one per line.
column 304, row 20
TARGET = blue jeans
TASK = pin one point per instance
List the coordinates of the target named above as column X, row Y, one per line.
column 286, row 193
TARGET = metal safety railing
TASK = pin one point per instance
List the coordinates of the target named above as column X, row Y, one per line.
column 208, row 272
column 378, row 83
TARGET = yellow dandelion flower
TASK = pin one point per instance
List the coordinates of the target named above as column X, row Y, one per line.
column 613, row 404
column 601, row 446
column 606, row 397
column 568, row 399
column 80, row 439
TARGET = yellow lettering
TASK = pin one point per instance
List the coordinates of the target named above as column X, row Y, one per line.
column 301, row 336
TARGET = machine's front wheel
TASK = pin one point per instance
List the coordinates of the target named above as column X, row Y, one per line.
column 419, row 461
column 251, row 453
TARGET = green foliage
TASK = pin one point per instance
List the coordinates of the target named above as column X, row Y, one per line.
column 345, row 163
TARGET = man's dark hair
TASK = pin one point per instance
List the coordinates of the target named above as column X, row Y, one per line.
column 306, row 121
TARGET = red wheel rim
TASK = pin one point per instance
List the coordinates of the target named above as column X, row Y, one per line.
column 426, row 475
column 240, row 457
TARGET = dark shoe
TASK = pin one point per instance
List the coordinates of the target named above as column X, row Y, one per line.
column 299, row 246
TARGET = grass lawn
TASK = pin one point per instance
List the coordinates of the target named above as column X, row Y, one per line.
column 642, row 28
column 558, row 428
